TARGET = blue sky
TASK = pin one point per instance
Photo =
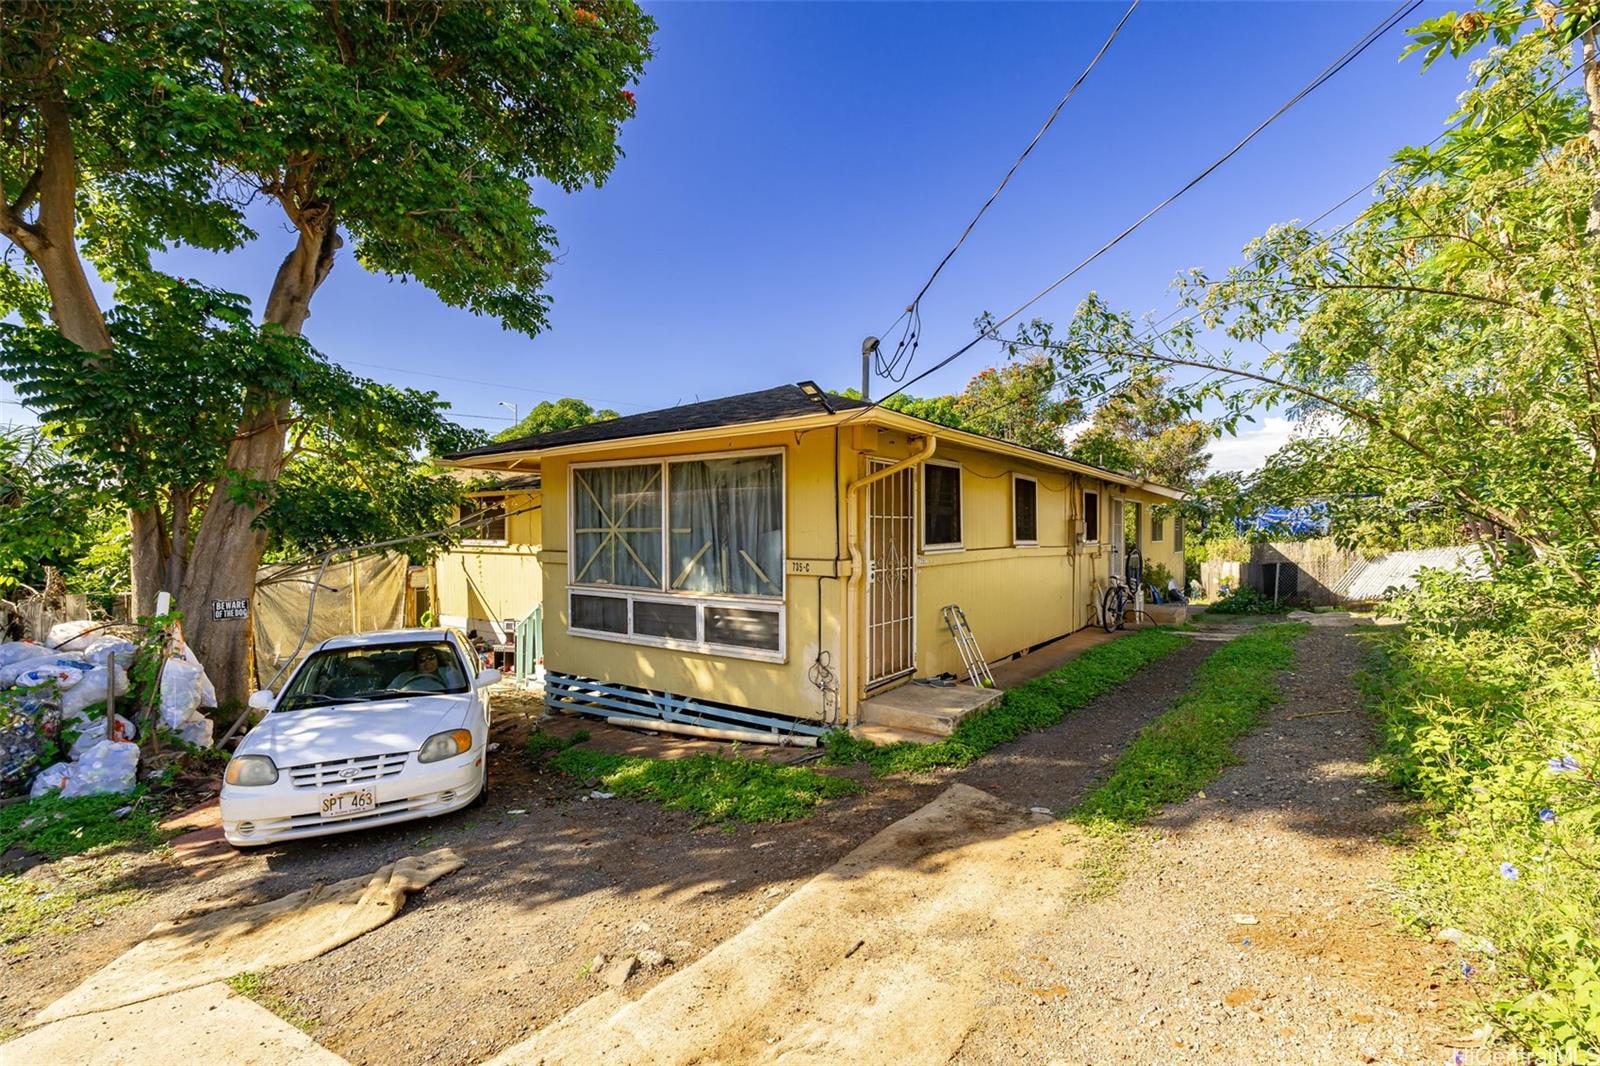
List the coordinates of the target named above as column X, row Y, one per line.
column 796, row 169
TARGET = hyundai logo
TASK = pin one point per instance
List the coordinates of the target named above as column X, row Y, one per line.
column 349, row 771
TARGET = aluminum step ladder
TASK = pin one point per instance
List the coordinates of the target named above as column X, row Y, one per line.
column 971, row 655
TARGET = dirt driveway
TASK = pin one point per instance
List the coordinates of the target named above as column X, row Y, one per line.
column 504, row 947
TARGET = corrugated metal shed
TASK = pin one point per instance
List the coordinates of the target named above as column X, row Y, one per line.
column 1372, row 579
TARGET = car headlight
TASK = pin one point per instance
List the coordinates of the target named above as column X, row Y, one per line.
column 444, row 745
column 251, row 770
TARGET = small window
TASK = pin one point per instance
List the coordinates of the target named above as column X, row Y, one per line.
column 672, row 621
column 1177, row 534
column 1158, row 526
column 1091, row 517
column 941, row 505
column 601, row 614
column 484, row 520
column 736, row 627
column 1024, row 510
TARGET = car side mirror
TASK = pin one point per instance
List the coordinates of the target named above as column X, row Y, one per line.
column 262, row 701
column 488, row 676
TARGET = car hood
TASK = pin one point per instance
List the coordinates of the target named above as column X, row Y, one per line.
column 350, row 730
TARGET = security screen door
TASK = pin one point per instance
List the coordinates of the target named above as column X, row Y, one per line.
column 891, row 575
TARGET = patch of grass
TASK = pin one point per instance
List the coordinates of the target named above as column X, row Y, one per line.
column 1111, row 853
column 54, row 827
column 1037, row 704
column 716, row 788
column 539, row 743
column 255, row 987
column 1192, row 742
column 59, row 905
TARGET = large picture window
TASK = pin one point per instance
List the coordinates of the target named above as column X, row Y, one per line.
column 941, row 505
column 700, row 539
column 727, row 525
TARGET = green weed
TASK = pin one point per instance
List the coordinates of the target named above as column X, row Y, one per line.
column 1192, row 742
column 61, row 904
column 539, row 743
column 54, row 827
column 716, row 788
column 1037, row 704
column 256, row 988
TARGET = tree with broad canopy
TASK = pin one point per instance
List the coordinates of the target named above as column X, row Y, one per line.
column 411, row 131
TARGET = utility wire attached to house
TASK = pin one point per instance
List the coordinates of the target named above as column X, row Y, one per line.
column 895, row 367
column 1155, row 333
column 1349, row 56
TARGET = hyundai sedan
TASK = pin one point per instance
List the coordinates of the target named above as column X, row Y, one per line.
column 372, row 729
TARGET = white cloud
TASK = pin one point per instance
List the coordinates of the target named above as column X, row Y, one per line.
column 1255, row 441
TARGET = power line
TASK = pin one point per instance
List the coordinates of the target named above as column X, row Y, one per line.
column 1152, row 334
column 911, row 308
column 1328, row 72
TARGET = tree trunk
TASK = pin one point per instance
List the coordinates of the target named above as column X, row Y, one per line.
column 147, row 560
column 227, row 550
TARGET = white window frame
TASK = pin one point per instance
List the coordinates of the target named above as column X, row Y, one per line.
column 1099, row 515
column 774, row 604
column 961, row 506
column 700, row 603
column 1015, row 543
column 505, row 516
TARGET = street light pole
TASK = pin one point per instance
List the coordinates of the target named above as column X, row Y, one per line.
column 515, row 417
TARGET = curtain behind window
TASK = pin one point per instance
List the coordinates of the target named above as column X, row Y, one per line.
column 727, row 526
column 617, row 526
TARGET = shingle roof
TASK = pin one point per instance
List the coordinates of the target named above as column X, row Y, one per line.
column 785, row 401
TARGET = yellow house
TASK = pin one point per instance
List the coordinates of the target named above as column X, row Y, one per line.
column 492, row 579
column 774, row 560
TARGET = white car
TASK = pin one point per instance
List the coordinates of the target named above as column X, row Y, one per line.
column 371, row 729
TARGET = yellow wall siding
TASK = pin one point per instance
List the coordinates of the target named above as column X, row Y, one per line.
column 1014, row 596
column 477, row 582
column 811, row 548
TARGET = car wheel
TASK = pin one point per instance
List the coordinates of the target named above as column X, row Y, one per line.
column 483, row 793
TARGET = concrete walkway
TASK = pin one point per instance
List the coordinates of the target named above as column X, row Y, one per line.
column 888, row 957
column 209, row 1024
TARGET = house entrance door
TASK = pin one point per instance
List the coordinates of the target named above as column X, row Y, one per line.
column 1118, row 538
column 891, row 576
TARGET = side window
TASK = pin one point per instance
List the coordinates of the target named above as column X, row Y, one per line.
column 1158, row 525
column 941, row 506
column 1091, row 517
column 1024, row 510
column 1177, row 534
column 486, row 518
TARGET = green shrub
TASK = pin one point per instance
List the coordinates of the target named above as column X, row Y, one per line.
column 1037, row 704
column 1491, row 717
column 1244, row 601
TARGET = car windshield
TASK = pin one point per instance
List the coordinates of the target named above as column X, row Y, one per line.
column 352, row 675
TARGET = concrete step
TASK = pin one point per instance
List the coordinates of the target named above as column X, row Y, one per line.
column 932, row 710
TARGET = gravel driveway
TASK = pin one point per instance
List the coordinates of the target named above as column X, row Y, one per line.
column 1256, row 927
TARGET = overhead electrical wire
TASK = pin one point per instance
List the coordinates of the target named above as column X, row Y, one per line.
column 1328, row 72
column 906, row 348
column 1153, row 333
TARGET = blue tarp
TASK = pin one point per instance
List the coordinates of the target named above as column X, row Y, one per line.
column 1303, row 521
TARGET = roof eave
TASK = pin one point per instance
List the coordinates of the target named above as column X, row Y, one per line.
column 524, row 461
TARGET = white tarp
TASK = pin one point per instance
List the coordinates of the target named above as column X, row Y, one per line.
column 365, row 594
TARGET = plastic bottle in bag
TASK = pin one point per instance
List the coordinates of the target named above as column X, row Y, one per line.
column 93, row 731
